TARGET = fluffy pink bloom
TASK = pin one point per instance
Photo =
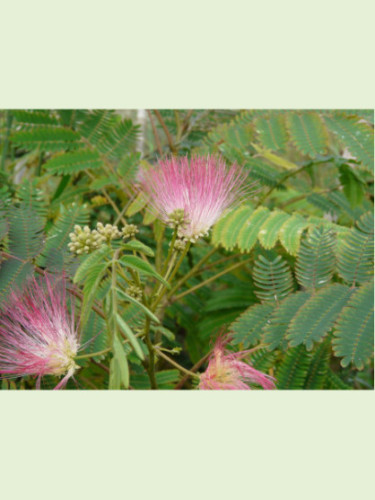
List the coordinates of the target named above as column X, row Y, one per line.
column 226, row 371
column 201, row 188
column 37, row 334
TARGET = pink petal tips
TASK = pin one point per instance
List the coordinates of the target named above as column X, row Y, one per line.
column 226, row 371
column 37, row 334
column 192, row 194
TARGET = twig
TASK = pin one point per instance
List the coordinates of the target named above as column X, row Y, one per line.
column 174, row 363
column 167, row 133
column 155, row 132
column 204, row 283
column 196, row 367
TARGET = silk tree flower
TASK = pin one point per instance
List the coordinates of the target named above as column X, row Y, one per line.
column 192, row 194
column 227, row 371
column 37, row 334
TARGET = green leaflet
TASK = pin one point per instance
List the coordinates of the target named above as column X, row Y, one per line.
column 25, row 231
column 273, row 279
column 232, row 225
column 269, row 231
column 316, row 259
column 354, row 332
column 307, row 133
column 137, row 204
column 73, row 163
column 141, row 266
column 247, row 329
column 359, row 137
column 249, row 231
column 272, row 132
column 318, row 368
column 92, row 281
column 46, row 138
column 139, row 304
column 278, row 324
column 118, row 368
column 130, row 336
column 291, row 232
column 318, row 315
column 292, row 371
column 91, row 260
column 35, row 117
column 13, row 274
column 356, row 252
column 138, row 246
column 262, row 172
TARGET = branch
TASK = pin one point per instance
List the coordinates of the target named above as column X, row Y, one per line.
column 167, row 133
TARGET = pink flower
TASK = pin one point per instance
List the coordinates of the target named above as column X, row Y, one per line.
column 196, row 192
column 226, row 371
column 37, row 335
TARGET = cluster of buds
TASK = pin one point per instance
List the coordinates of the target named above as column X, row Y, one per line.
column 83, row 240
column 98, row 200
column 180, row 245
column 176, row 219
column 135, row 292
column 129, row 231
column 108, row 232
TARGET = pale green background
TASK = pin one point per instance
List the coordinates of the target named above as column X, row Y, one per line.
column 187, row 445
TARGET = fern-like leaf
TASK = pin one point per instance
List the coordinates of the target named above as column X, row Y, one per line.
column 318, row 368
column 13, row 273
column 262, row 172
column 269, row 232
column 273, row 279
column 307, row 133
column 72, row 163
column 25, row 231
column 119, row 140
column 292, row 371
column 35, row 118
column 291, row 232
column 247, row 329
column 226, row 231
column 316, row 259
column 357, row 136
column 354, row 333
column 278, row 324
column 249, row 232
column 272, row 132
column 46, row 138
column 356, row 251
column 318, row 315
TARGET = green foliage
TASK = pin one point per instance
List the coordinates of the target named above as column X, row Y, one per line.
column 316, row 259
column 273, row 279
column 356, row 252
column 55, row 253
column 356, row 136
column 303, row 294
column 316, row 377
column 354, row 333
column 307, row 133
column 247, row 329
column 278, row 324
column 317, row 316
column 272, row 132
column 293, row 370
column 72, row 163
column 119, row 368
